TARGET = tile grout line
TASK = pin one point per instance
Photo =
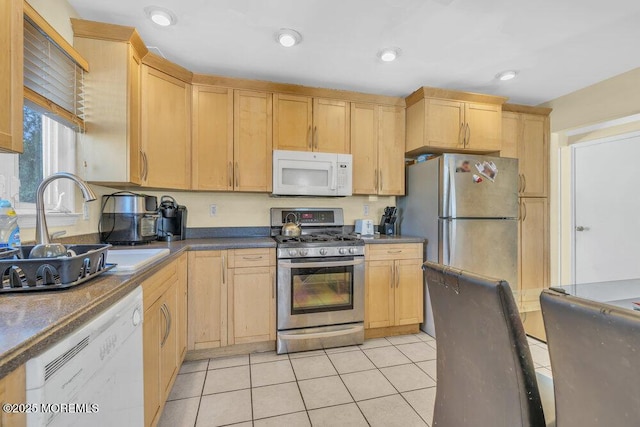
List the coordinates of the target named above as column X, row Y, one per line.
column 347, row 388
column 299, row 389
column 206, row 373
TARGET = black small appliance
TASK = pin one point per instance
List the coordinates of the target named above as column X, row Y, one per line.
column 128, row 218
column 388, row 221
column 172, row 224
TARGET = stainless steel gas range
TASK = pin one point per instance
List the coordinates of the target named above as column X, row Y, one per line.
column 320, row 285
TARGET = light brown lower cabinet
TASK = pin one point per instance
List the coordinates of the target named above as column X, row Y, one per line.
column 163, row 335
column 393, row 285
column 231, row 297
column 13, row 390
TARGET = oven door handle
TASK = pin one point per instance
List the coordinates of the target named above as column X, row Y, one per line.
column 312, row 335
column 289, row 264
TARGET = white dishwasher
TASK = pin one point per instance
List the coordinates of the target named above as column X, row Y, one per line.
column 93, row 376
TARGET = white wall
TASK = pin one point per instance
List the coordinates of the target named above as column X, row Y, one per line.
column 586, row 114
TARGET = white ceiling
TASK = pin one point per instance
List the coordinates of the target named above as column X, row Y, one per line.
column 558, row 46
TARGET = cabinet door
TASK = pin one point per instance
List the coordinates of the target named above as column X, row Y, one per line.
column 152, row 329
column 11, row 72
column 166, row 129
column 13, row 390
column 380, row 294
column 364, row 148
column 292, row 118
column 534, row 252
column 408, row 292
column 169, row 342
column 510, row 134
column 533, row 153
column 207, row 310
column 136, row 158
column 252, row 305
column 182, row 308
column 444, row 123
column 483, row 126
column 212, row 148
column 391, row 125
column 331, row 126
column 252, row 141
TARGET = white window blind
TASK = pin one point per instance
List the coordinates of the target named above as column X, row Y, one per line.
column 53, row 80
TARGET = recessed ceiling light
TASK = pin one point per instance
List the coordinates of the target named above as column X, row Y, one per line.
column 288, row 38
column 160, row 16
column 507, row 75
column 389, row 54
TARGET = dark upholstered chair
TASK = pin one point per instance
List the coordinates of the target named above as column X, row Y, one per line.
column 595, row 359
column 486, row 376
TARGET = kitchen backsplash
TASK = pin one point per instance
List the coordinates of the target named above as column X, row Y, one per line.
column 232, row 209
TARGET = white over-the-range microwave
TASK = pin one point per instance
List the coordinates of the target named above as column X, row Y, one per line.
column 303, row 173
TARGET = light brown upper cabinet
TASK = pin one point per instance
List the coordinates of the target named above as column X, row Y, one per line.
column 11, row 62
column 252, row 141
column 377, row 146
column 526, row 137
column 212, row 146
column 110, row 150
column 166, row 130
column 441, row 120
column 304, row 123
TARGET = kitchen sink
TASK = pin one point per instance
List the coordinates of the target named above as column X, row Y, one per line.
column 131, row 260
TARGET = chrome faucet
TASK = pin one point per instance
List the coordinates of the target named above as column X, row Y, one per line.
column 42, row 233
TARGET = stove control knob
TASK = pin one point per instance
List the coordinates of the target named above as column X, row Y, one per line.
column 352, row 250
column 304, row 252
column 342, row 251
column 323, row 251
column 292, row 252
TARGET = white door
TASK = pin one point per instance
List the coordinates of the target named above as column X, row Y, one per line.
column 606, row 209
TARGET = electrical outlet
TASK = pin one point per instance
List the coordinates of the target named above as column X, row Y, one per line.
column 365, row 210
column 213, row 210
column 85, row 211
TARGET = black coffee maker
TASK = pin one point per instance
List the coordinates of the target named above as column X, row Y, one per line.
column 172, row 224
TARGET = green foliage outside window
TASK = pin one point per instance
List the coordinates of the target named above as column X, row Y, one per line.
column 30, row 165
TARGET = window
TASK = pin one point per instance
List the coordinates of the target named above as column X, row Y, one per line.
column 49, row 147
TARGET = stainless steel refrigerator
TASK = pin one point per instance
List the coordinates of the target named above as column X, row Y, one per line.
column 466, row 206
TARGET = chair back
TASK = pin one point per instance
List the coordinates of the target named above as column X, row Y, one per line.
column 595, row 358
column 486, row 376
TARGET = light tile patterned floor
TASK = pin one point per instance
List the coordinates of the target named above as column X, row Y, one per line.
column 384, row 382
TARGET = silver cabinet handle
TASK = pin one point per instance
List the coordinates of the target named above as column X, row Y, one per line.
column 381, row 180
column 524, row 182
column 519, row 183
column 230, row 174
column 309, row 139
column 468, row 135
column 224, row 271
column 273, row 286
column 145, row 165
column 375, row 178
column 392, row 267
column 397, row 277
column 170, row 321
column 166, row 320
column 460, row 134
column 395, row 252
column 252, row 258
column 315, row 136
column 237, row 175
column 524, row 209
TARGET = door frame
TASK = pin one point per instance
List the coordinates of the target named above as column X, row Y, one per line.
column 574, row 147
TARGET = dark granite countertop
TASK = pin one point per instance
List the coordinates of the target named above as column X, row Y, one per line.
column 32, row 322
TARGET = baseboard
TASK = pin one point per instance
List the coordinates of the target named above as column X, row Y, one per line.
column 391, row 331
column 231, row 350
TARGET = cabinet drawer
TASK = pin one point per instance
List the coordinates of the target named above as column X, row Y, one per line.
column 156, row 285
column 261, row 257
column 378, row 252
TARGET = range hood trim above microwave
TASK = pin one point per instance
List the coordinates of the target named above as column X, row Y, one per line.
column 336, row 168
